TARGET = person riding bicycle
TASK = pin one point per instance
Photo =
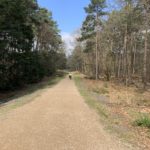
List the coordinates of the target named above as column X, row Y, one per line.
column 70, row 76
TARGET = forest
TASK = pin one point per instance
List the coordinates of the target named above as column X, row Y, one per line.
column 30, row 44
column 114, row 44
column 112, row 63
column 85, row 90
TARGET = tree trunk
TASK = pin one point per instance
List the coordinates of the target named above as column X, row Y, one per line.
column 96, row 50
column 134, row 59
column 146, row 47
column 126, row 57
column 119, row 64
column 145, row 61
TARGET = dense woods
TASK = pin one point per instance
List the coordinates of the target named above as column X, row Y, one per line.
column 115, row 44
column 30, row 44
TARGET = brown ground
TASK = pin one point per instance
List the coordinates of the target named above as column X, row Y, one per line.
column 123, row 105
column 58, row 119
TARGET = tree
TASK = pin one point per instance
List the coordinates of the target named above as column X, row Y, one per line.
column 16, row 37
column 92, row 25
column 145, row 7
column 30, row 43
column 122, row 41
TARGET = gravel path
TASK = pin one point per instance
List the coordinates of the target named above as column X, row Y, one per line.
column 58, row 119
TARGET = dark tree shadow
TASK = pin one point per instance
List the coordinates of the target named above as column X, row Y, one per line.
column 31, row 88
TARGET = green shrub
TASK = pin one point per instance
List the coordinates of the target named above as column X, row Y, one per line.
column 143, row 121
column 105, row 85
column 104, row 91
column 101, row 90
column 96, row 90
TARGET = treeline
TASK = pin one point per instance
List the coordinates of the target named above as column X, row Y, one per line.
column 115, row 44
column 30, row 44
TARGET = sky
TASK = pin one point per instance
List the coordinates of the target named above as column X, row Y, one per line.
column 69, row 15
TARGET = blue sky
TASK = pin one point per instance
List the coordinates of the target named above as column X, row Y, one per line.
column 69, row 15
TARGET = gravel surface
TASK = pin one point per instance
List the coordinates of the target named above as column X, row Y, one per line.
column 58, row 119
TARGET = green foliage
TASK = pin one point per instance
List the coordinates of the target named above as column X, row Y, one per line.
column 104, row 90
column 29, row 43
column 105, row 85
column 143, row 121
column 116, row 46
column 75, row 61
column 101, row 90
column 96, row 6
column 93, row 20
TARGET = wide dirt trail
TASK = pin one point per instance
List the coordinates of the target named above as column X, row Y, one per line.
column 58, row 119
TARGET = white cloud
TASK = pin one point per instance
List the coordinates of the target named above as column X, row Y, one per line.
column 69, row 40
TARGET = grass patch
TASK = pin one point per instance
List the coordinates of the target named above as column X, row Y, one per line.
column 105, row 85
column 101, row 90
column 143, row 121
column 86, row 93
column 96, row 89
